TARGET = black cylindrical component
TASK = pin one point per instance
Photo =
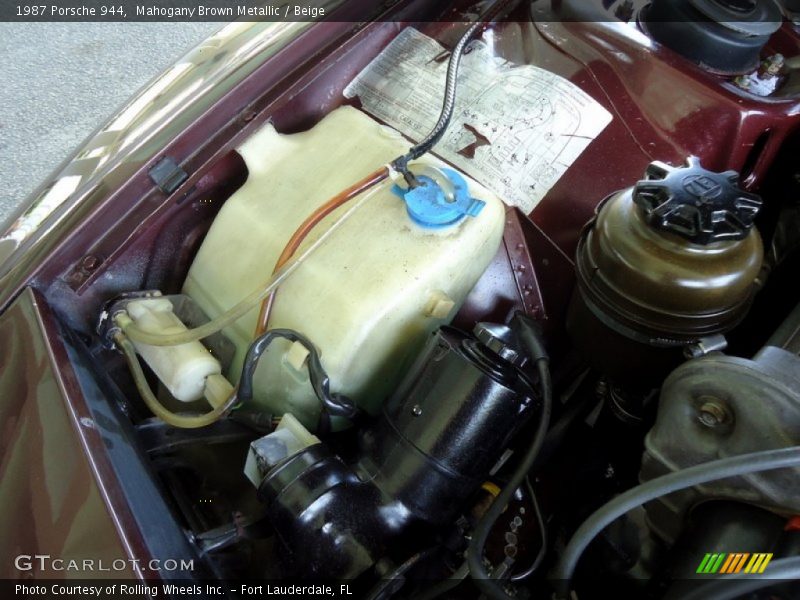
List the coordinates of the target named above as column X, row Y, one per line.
column 723, row 36
column 434, row 445
column 331, row 523
column 445, row 428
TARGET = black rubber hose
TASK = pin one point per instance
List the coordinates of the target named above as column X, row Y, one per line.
column 737, row 586
column 733, row 466
column 531, row 338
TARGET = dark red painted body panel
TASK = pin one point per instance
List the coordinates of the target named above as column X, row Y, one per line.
column 663, row 107
column 57, row 490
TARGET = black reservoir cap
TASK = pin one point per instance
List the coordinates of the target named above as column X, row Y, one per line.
column 697, row 204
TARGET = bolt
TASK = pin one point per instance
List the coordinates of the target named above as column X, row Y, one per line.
column 90, row 262
column 713, row 413
column 416, row 410
column 772, row 65
column 742, row 81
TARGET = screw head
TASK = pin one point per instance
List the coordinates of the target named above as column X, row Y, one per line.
column 713, row 413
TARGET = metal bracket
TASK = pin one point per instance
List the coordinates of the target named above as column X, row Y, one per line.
column 706, row 345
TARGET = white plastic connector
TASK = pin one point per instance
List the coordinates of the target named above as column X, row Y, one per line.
column 182, row 369
column 288, row 439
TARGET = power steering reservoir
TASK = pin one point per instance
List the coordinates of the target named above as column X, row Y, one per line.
column 369, row 297
column 664, row 265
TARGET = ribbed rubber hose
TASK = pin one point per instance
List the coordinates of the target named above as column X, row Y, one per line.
column 733, row 466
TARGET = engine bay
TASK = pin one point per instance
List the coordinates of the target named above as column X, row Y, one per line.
column 497, row 305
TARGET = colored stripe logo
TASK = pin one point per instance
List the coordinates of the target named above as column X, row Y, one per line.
column 734, row 562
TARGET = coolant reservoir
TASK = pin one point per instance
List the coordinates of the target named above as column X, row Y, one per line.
column 370, row 295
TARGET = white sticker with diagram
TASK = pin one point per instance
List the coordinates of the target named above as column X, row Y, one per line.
column 516, row 129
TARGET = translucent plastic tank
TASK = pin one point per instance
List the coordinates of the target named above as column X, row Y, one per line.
column 369, row 297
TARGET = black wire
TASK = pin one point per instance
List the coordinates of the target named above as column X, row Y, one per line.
column 448, row 105
column 530, row 336
column 333, row 404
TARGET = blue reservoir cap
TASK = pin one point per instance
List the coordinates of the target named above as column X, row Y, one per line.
column 433, row 206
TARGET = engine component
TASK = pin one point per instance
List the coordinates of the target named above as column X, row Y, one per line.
column 664, row 265
column 724, row 406
column 723, row 36
column 732, row 538
column 531, row 339
column 182, row 369
column 444, row 429
column 715, row 470
column 379, row 286
column 188, row 370
column 218, row 392
column 302, row 351
column 792, row 10
column 435, row 443
column 724, row 529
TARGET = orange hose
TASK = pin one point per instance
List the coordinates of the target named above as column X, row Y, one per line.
column 305, row 228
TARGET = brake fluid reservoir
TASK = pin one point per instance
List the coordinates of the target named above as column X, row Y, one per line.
column 395, row 271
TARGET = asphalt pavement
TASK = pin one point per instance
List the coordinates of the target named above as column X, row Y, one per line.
column 60, row 81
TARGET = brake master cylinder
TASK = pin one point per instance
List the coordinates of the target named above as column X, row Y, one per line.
column 666, row 265
column 367, row 298
column 436, row 442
